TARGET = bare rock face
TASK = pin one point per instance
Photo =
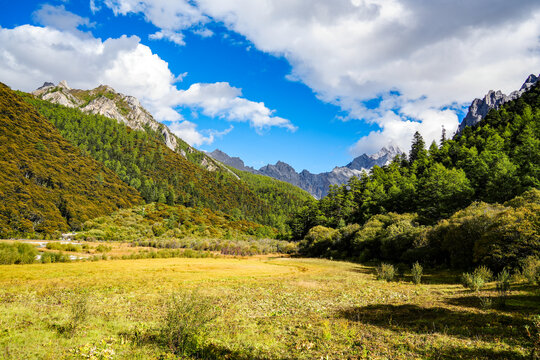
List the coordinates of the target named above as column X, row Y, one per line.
column 493, row 100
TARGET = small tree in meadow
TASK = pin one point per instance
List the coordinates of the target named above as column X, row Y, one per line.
column 416, row 272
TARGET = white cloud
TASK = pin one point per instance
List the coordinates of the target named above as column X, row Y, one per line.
column 187, row 131
column 175, row 37
column 58, row 17
column 222, row 100
column 30, row 54
column 350, row 51
column 170, row 16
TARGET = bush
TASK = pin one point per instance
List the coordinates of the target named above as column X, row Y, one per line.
column 78, row 314
column 484, row 273
column 472, row 281
column 63, row 247
column 183, row 326
column 103, row 248
column 503, row 286
column 53, row 257
column 416, row 272
column 386, row 272
column 17, row 253
column 530, row 269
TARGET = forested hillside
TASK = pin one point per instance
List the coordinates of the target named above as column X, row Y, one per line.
column 490, row 163
column 46, row 184
column 144, row 162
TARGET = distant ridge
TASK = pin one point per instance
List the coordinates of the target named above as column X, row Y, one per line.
column 316, row 184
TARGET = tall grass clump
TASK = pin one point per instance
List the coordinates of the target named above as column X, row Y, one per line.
column 386, row 272
column 416, row 272
column 184, row 324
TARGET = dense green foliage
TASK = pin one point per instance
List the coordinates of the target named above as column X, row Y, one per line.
column 141, row 160
column 283, row 198
column 494, row 235
column 46, row 184
column 434, row 205
column 493, row 162
column 161, row 221
column 17, row 253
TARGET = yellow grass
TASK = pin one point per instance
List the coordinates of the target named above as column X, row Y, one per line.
column 271, row 308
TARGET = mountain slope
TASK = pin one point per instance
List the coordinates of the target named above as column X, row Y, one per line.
column 46, row 184
column 160, row 174
column 316, row 184
column 125, row 109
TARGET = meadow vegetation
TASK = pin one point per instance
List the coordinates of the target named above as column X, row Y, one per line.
column 256, row 308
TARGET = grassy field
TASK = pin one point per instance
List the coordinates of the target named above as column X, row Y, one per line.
column 269, row 308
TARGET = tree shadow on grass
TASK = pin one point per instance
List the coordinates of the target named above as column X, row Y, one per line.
column 206, row 351
column 413, row 318
column 524, row 304
column 476, row 353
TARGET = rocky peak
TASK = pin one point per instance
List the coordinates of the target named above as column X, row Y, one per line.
column 235, row 162
column 380, row 158
column 46, row 85
column 64, row 85
column 493, row 100
column 104, row 100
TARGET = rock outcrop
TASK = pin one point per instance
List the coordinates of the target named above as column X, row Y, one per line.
column 316, row 184
column 493, row 100
column 105, row 101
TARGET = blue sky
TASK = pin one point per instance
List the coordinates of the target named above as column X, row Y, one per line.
column 309, row 82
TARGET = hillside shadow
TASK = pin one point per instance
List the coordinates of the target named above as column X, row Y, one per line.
column 421, row 320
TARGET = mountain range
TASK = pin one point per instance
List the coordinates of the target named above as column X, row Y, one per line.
column 316, row 184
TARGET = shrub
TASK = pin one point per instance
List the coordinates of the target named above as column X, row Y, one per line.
column 416, row 272
column 386, row 272
column 63, row 247
column 484, row 273
column 472, row 281
column 103, row 248
column 183, row 326
column 53, row 257
column 17, row 253
column 78, row 314
column 530, row 269
column 503, row 286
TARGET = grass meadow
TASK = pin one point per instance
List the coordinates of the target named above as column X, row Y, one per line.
column 263, row 308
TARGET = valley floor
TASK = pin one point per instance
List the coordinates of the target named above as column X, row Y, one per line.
column 271, row 308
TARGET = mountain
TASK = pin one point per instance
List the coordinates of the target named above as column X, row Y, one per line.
column 235, row 162
column 141, row 159
column 316, row 184
column 125, row 109
column 48, row 185
column 493, row 100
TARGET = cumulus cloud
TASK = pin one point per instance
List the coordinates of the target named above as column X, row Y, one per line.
column 172, row 17
column 187, row 131
column 222, row 100
column 31, row 53
column 59, row 18
column 432, row 54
